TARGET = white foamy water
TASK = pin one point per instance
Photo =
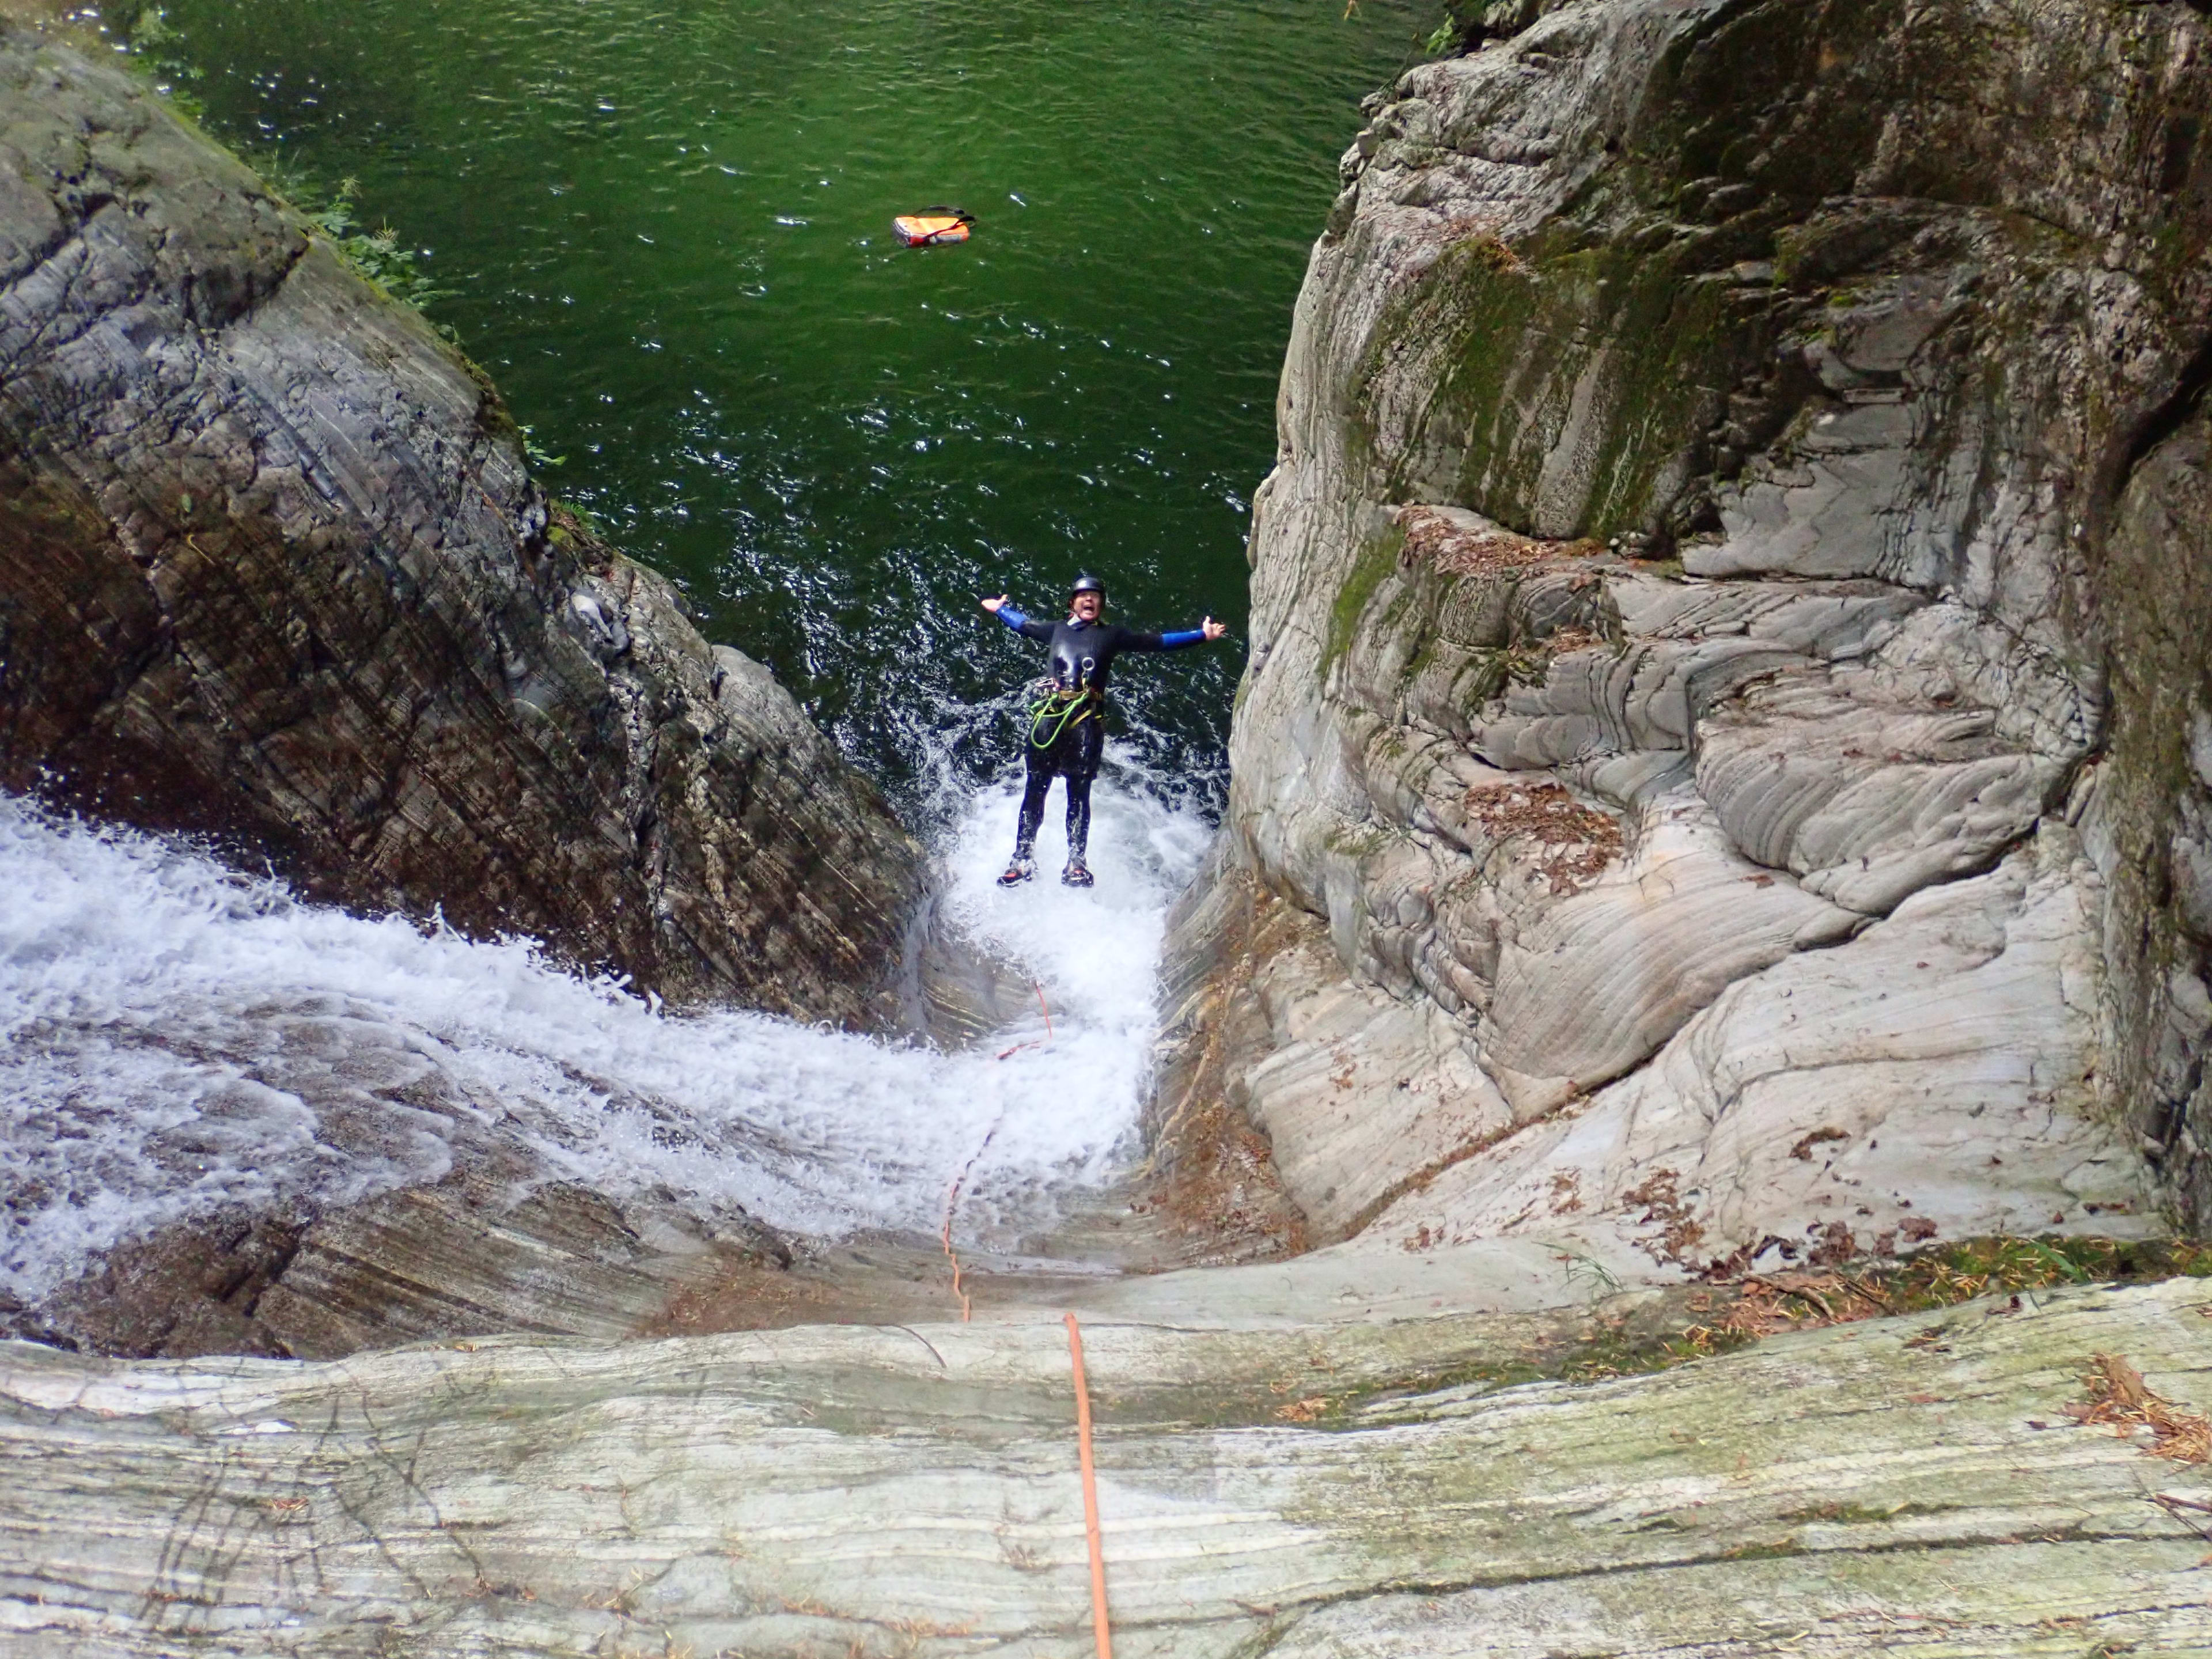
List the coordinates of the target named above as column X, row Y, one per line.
column 181, row 1039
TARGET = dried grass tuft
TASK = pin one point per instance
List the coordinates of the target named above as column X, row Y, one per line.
column 2118, row 1396
column 1578, row 841
column 1480, row 237
column 1456, row 551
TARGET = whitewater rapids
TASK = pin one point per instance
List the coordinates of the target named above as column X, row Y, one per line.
column 182, row 1039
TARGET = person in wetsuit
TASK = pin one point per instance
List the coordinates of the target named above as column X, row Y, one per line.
column 1066, row 726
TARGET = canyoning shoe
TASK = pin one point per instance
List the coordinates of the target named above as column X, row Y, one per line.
column 1075, row 875
column 1018, row 873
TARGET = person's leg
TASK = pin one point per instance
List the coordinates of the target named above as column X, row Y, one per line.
column 1034, row 787
column 1081, row 768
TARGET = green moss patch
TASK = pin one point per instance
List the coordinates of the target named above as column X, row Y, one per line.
column 1622, row 357
column 1702, row 1323
column 1378, row 557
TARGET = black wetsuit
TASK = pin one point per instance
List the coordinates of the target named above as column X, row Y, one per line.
column 1066, row 733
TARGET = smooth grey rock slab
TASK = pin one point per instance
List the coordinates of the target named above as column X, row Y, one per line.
column 1867, row 802
column 891, row 1491
column 1592, row 984
column 1351, row 1066
column 1932, row 1077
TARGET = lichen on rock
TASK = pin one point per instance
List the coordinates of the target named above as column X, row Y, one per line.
column 1793, row 464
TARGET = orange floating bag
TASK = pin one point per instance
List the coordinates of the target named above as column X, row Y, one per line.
column 932, row 225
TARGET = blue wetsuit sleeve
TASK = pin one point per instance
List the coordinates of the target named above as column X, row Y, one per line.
column 1020, row 622
column 1133, row 640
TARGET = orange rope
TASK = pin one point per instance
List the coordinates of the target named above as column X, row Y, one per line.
column 951, row 1201
column 952, row 1196
column 1101, row 1627
column 967, row 1303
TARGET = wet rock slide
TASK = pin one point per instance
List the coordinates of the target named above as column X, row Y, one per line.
column 1721, row 776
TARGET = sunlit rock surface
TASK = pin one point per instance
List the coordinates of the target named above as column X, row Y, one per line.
column 1912, row 1485
column 271, row 567
column 1719, row 688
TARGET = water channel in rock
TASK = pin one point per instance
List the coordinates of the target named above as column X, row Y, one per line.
column 664, row 229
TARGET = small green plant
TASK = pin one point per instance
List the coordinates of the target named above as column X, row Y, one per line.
column 1587, row 1270
column 536, row 453
column 155, row 48
column 1446, row 39
column 376, row 254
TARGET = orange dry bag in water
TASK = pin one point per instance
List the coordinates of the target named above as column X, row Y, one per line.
column 933, row 225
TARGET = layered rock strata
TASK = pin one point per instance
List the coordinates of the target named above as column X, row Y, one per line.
column 1909, row 1485
column 271, row 569
column 466, row 1257
column 1721, row 706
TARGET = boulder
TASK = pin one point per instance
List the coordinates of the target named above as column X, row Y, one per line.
column 1718, row 673
column 272, row 571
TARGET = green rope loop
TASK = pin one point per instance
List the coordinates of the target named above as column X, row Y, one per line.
column 1060, row 710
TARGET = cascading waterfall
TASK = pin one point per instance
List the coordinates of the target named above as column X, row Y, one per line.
column 182, row 1038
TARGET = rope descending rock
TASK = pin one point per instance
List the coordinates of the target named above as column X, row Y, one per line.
column 1101, row 1626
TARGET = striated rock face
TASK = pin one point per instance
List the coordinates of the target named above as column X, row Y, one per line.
column 2155, row 817
column 271, row 567
column 1895, row 1486
column 1728, row 688
column 421, row 1263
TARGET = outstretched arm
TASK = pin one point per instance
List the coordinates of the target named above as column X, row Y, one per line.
column 1205, row 633
column 1016, row 620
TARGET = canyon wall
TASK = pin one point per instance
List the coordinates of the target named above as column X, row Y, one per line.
column 1726, row 737
column 272, row 570
column 1723, row 773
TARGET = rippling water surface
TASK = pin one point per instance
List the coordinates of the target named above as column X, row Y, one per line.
column 665, row 223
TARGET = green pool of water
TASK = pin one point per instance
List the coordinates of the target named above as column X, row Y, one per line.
column 665, row 225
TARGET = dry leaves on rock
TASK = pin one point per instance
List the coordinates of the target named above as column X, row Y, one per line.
column 1457, row 551
column 1664, row 1208
column 1560, row 640
column 2118, row 1396
column 1803, row 1301
column 1578, row 841
column 1819, row 1136
column 1479, row 236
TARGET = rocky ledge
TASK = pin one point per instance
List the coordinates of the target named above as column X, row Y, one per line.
column 1724, row 769
column 271, row 570
column 1910, row 1486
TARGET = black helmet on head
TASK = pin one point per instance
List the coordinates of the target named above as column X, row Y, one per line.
column 1086, row 583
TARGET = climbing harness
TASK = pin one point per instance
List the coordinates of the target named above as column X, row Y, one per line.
column 1061, row 710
